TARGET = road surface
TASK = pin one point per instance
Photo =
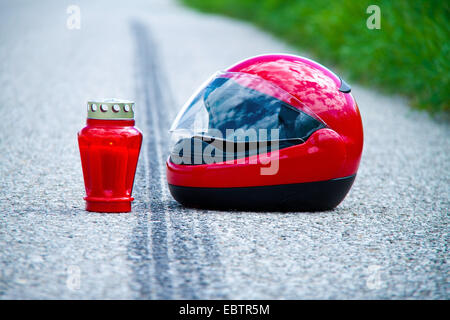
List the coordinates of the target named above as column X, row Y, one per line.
column 388, row 239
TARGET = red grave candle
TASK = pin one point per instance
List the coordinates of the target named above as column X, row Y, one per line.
column 109, row 148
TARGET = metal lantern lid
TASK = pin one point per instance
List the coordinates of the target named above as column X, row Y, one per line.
column 110, row 109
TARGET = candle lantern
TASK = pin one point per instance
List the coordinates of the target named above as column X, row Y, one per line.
column 109, row 148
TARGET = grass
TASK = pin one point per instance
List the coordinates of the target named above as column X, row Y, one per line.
column 408, row 55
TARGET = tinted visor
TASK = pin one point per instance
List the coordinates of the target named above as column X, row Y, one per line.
column 243, row 108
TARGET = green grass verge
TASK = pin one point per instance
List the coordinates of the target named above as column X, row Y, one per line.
column 408, row 55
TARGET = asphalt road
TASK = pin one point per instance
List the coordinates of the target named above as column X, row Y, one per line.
column 388, row 239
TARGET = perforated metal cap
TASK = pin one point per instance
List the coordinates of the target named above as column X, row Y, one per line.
column 110, row 109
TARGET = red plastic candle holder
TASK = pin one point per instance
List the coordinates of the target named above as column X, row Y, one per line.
column 109, row 148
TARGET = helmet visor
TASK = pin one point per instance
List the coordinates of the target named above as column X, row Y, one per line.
column 241, row 107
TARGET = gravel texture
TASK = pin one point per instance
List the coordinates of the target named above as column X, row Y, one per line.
column 387, row 240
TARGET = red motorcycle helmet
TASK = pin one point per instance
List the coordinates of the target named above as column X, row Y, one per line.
column 273, row 132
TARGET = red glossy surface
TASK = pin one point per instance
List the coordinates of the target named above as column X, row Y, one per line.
column 321, row 157
column 109, row 152
column 329, row 153
column 317, row 88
